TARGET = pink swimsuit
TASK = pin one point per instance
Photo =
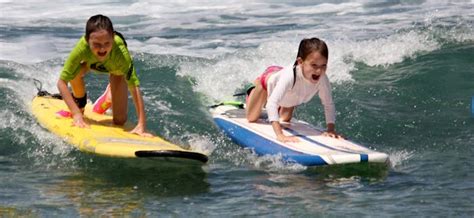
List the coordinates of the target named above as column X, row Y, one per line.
column 263, row 79
column 269, row 71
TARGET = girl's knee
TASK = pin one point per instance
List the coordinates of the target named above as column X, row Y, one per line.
column 251, row 119
column 120, row 120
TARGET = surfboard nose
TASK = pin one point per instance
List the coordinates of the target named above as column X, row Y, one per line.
column 378, row 157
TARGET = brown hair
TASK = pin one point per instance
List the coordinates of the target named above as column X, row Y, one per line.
column 307, row 46
column 98, row 22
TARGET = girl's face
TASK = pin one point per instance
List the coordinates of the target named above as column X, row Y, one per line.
column 100, row 43
column 313, row 66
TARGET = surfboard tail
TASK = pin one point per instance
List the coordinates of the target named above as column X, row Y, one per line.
column 174, row 154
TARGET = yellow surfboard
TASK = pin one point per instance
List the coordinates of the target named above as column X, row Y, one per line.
column 103, row 137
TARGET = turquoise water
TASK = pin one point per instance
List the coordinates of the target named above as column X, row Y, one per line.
column 402, row 83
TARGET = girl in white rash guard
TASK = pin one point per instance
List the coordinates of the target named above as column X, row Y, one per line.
column 281, row 89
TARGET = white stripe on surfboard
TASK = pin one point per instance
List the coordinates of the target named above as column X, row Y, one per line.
column 293, row 146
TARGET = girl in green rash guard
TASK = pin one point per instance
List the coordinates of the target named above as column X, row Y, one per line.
column 102, row 50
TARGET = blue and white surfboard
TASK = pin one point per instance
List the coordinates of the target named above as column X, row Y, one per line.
column 313, row 148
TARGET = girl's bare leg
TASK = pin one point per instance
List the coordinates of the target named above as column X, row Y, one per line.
column 119, row 90
column 255, row 103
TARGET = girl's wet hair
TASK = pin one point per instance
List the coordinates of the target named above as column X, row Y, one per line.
column 307, row 46
column 98, row 22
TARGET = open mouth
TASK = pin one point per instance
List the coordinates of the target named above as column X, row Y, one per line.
column 102, row 54
column 315, row 77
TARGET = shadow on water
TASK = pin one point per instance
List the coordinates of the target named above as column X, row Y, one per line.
column 112, row 186
column 369, row 171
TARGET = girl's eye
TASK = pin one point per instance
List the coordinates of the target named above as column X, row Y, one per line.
column 98, row 45
column 322, row 66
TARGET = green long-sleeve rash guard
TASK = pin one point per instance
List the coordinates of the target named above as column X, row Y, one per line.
column 118, row 62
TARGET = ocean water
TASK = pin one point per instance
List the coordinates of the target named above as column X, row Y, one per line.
column 402, row 77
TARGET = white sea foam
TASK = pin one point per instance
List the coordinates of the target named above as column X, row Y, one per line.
column 398, row 158
column 340, row 9
column 23, row 87
column 389, row 50
column 274, row 163
column 34, row 48
column 233, row 70
column 49, row 152
column 239, row 39
column 201, row 144
column 208, row 28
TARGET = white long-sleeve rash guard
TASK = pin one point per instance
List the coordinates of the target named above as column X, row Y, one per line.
column 281, row 92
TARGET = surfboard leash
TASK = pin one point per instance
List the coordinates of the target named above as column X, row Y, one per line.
column 237, row 104
column 44, row 93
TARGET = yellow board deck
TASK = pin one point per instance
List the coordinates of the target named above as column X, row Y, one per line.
column 103, row 137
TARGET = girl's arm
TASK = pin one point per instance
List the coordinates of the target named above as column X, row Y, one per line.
column 78, row 86
column 329, row 109
column 331, row 128
column 331, row 131
column 279, row 133
column 140, row 128
column 284, row 84
column 71, row 104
